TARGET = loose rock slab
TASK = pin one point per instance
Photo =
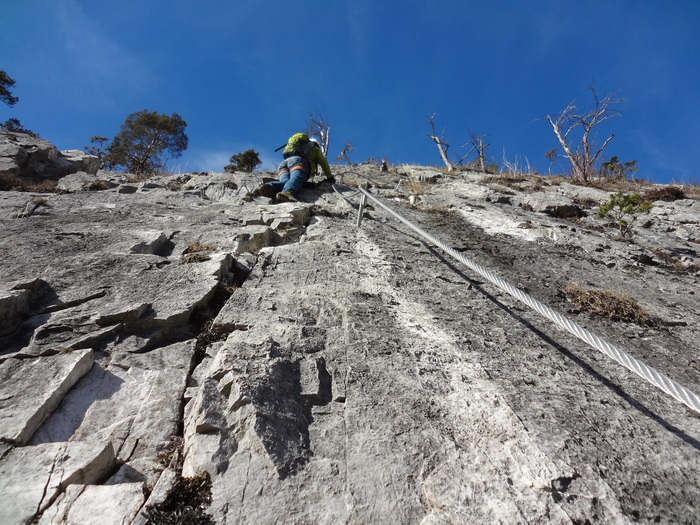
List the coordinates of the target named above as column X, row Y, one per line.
column 31, row 389
column 34, row 476
column 84, row 504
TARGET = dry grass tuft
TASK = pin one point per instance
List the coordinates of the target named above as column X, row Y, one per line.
column 586, row 202
column 197, row 247
column 13, row 183
column 692, row 191
column 415, row 186
column 436, row 210
column 664, row 193
column 604, row 303
column 191, row 258
column 505, row 180
column 676, row 264
column 185, row 504
column 197, row 252
column 617, row 184
column 523, row 182
column 95, row 185
column 31, row 207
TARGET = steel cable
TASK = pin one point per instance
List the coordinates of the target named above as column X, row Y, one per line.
column 346, row 199
column 648, row 373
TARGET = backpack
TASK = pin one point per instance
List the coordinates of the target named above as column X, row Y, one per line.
column 298, row 145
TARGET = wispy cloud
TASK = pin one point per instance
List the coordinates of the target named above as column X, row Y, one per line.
column 359, row 22
column 201, row 160
column 96, row 63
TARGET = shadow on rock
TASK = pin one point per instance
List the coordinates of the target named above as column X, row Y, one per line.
column 283, row 418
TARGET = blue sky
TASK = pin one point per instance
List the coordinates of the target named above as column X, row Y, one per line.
column 247, row 73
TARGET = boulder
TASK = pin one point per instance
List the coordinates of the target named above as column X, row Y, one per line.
column 23, row 155
column 12, row 155
column 16, row 299
column 74, row 160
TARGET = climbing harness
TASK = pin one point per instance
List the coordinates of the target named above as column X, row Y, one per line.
column 653, row 376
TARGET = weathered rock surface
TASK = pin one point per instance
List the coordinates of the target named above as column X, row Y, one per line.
column 322, row 372
column 33, row 477
column 104, row 504
column 22, row 411
column 22, row 155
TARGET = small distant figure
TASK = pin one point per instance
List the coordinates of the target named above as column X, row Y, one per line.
column 301, row 155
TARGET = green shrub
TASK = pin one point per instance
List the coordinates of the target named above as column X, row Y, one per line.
column 618, row 170
column 624, row 208
column 143, row 140
column 247, row 161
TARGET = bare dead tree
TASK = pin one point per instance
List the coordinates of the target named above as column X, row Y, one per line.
column 573, row 131
column 479, row 146
column 344, row 154
column 441, row 144
column 317, row 125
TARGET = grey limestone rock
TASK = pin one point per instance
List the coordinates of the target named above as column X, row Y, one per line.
column 31, row 389
column 321, row 372
column 22, row 155
column 33, row 477
column 105, row 504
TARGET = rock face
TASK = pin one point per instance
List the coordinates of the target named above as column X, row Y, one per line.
column 22, row 155
column 321, row 372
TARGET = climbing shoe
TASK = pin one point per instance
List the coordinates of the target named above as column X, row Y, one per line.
column 264, row 190
column 286, row 196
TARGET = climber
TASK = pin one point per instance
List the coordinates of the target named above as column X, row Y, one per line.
column 302, row 155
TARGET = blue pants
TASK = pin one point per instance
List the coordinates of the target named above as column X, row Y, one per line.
column 293, row 174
